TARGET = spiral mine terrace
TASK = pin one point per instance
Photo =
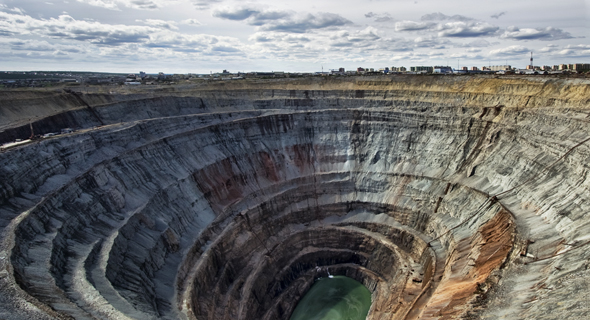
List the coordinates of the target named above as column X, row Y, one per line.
column 447, row 197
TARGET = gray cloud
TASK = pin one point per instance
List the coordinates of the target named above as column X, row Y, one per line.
column 170, row 25
column 480, row 43
column 281, row 21
column 204, row 4
column 225, row 49
column 437, row 16
column 549, row 48
column 254, row 16
column 144, row 4
column 6, row 33
column 201, row 44
column 466, row 30
column 463, row 55
column 265, row 17
column 261, row 38
column 111, row 5
column 41, row 46
column 367, row 34
column 413, row 26
column 112, row 38
column 278, row 37
column 457, row 29
column 342, row 44
column 430, row 42
column 32, row 46
column 295, row 39
column 498, row 15
column 135, row 4
column 579, row 51
column 307, row 22
column 510, row 51
column 379, row 17
column 191, row 22
column 401, row 49
column 545, row 34
column 235, row 13
column 574, row 47
column 181, row 42
column 57, row 55
column 5, row 8
column 362, row 38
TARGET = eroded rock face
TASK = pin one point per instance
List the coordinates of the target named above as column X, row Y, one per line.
column 447, row 197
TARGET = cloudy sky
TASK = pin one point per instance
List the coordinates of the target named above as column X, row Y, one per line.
column 200, row 36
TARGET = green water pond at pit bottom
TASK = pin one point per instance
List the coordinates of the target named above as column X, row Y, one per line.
column 335, row 298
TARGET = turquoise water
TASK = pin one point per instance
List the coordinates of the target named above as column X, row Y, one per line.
column 335, row 298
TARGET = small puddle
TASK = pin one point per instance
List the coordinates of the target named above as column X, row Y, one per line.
column 334, row 298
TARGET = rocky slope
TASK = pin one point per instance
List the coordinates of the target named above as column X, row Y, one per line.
column 448, row 197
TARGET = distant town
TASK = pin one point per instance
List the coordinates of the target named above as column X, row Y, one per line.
column 23, row 79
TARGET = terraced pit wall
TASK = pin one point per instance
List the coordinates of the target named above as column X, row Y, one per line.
column 447, row 197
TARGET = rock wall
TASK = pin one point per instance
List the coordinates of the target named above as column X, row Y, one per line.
column 448, row 197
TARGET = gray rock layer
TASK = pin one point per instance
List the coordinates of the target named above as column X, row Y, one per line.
column 448, row 197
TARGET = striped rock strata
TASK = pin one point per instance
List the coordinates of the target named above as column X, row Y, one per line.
column 448, row 197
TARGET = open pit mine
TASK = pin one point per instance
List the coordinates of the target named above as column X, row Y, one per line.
column 447, row 197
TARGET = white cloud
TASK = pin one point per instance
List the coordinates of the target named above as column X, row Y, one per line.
column 66, row 27
column 159, row 35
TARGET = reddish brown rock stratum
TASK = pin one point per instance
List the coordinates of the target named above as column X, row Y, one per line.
column 448, row 197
